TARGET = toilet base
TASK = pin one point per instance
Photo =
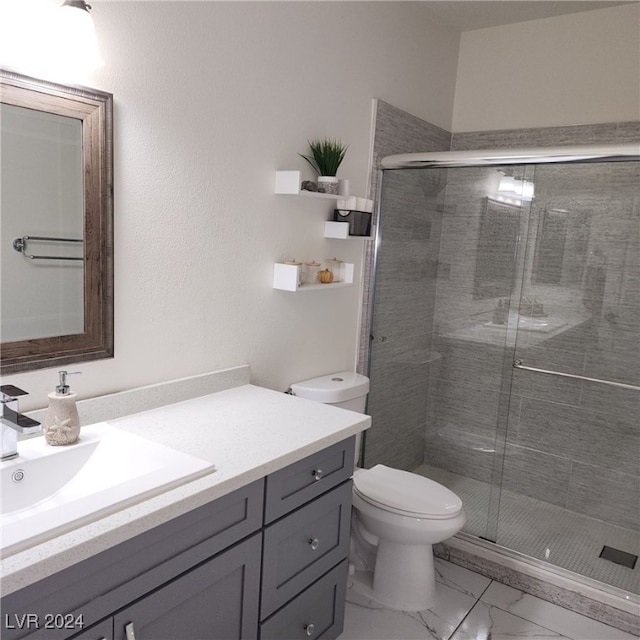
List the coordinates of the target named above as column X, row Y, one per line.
column 403, row 578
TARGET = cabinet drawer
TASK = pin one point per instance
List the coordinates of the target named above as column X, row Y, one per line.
column 305, row 480
column 316, row 613
column 301, row 547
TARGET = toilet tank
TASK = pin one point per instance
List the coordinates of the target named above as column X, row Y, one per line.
column 345, row 389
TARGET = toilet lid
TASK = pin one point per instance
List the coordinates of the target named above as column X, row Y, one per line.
column 406, row 492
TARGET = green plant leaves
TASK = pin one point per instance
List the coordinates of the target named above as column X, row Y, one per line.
column 326, row 156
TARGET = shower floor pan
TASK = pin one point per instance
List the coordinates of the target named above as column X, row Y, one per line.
column 545, row 531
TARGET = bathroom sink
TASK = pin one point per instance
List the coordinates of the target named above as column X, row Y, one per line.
column 48, row 490
column 528, row 323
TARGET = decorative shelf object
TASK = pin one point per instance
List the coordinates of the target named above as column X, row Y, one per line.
column 348, row 224
column 336, row 230
column 286, row 277
column 288, row 183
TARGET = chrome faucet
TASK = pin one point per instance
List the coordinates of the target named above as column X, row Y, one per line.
column 12, row 421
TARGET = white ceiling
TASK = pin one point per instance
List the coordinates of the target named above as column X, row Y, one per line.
column 466, row 15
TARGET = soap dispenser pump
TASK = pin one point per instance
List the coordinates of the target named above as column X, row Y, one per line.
column 61, row 422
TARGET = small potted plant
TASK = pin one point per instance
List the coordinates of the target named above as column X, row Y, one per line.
column 325, row 158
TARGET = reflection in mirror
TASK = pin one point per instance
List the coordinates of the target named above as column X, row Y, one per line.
column 495, row 262
column 56, row 224
column 562, row 238
column 585, row 234
column 41, row 297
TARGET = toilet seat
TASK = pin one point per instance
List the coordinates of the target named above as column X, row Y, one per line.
column 406, row 493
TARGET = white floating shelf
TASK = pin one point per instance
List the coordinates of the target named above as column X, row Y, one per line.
column 288, row 183
column 286, row 277
column 339, row 230
column 317, row 287
column 336, row 229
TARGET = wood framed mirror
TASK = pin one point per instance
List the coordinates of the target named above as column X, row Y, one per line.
column 56, row 224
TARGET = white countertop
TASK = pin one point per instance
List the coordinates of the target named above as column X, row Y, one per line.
column 247, row 432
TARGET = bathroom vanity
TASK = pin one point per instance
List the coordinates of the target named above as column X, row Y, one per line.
column 257, row 549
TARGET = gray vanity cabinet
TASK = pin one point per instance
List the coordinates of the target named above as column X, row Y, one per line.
column 217, row 601
column 94, row 589
column 268, row 560
column 101, row 631
column 306, row 544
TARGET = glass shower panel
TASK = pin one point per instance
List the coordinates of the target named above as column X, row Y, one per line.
column 571, row 479
column 401, row 354
column 482, row 223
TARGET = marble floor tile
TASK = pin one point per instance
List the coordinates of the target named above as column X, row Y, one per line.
column 485, row 622
column 368, row 620
column 551, row 616
column 460, row 579
column 471, row 607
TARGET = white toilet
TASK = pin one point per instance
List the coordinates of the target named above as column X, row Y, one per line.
column 397, row 515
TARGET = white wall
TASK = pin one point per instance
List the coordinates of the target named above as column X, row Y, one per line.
column 210, row 99
column 575, row 69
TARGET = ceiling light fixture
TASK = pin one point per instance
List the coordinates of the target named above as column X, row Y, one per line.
column 514, row 191
column 76, row 36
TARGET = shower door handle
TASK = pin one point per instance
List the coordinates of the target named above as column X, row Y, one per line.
column 518, row 364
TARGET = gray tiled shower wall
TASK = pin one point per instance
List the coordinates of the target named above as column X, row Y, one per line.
column 402, row 326
column 396, row 131
column 437, row 386
column 405, row 291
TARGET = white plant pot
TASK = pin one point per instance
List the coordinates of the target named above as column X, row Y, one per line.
column 328, row 184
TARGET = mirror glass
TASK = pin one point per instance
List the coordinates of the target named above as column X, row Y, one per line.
column 56, row 224
column 558, row 240
column 495, row 262
column 562, row 238
column 41, row 149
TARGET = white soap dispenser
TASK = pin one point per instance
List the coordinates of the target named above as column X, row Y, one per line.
column 61, row 422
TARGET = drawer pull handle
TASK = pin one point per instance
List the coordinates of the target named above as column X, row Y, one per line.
column 317, row 473
column 313, row 542
column 309, row 628
column 130, row 633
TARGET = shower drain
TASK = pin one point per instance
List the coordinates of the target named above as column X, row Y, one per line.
column 618, row 556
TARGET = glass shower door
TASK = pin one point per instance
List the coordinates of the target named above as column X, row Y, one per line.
column 485, row 218
column 441, row 334
column 571, row 480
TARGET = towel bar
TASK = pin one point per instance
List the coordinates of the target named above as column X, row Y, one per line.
column 20, row 245
column 517, row 364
